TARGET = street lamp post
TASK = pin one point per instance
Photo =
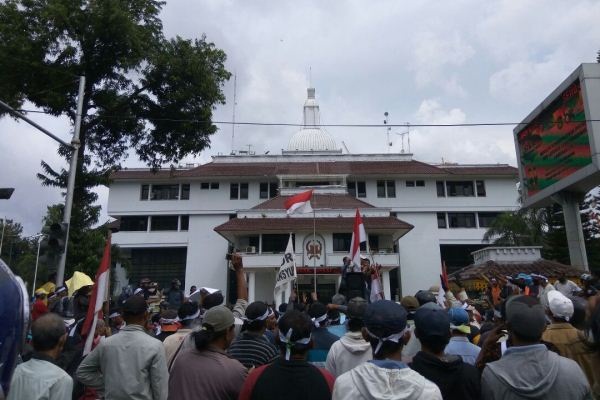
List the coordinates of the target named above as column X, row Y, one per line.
column 37, row 260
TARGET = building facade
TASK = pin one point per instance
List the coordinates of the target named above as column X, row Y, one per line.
column 182, row 222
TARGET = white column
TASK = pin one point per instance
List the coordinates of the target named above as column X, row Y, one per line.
column 251, row 286
column 385, row 282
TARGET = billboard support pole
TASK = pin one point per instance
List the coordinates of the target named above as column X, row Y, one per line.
column 575, row 240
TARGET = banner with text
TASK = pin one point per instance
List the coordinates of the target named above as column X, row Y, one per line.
column 287, row 272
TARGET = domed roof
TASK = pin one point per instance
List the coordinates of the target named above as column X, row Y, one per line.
column 311, row 139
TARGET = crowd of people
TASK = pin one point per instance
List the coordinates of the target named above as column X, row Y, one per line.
column 526, row 339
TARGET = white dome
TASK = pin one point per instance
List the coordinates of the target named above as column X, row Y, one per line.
column 311, row 139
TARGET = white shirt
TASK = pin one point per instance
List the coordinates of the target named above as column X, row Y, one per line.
column 38, row 379
column 567, row 288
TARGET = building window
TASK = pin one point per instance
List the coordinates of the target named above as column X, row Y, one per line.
column 134, row 223
column 386, row 189
column 238, row 191
column 441, row 188
column 341, row 241
column 184, row 223
column 144, row 192
column 480, row 188
column 185, row 191
column 441, row 220
column 274, row 243
column 164, row 192
column 415, row 183
column 164, row 222
column 486, row 218
column 357, row 188
column 460, row 188
column 461, row 220
column 268, row 190
column 209, row 185
column 248, row 244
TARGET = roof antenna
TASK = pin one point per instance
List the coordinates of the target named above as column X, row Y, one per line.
column 309, row 76
column 389, row 128
column 233, row 117
column 407, row 134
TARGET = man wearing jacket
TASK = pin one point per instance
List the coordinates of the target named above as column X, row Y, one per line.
column 455, row 378
column 352, row 349
column 131, row 364
column 541, row 374
column 386, row 376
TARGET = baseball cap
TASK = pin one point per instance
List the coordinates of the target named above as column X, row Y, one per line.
column 385, row 321
column 560, row 305
column 425, row 296
column 219, row 317
column 135, row 305
column 432, row 321
column 356, row 308
column 459, row 320
column 410, row 303
column 525, row 316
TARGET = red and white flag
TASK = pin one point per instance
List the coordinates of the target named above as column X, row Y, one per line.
column 376, row 288
column 358, row 236
column 299, row 203
column 97, row 299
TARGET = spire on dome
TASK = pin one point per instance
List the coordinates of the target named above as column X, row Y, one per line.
column 311, row 109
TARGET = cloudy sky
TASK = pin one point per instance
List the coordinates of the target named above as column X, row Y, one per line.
column 426, row 62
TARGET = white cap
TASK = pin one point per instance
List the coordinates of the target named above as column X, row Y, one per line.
column 560, row 305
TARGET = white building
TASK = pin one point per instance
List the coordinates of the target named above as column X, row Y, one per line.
column 182, row 222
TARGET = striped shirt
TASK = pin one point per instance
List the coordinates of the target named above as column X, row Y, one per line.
column 253, row 350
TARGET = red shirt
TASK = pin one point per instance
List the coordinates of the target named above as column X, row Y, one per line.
column 39, row 308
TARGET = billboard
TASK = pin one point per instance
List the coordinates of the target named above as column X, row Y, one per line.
column 557, row 144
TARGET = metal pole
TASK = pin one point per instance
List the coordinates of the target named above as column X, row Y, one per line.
column 30, row 122
column 2, row 238
column 315, row 246
column 37, row 259
column 60, row 273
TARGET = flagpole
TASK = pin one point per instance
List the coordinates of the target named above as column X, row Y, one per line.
column 314, row 247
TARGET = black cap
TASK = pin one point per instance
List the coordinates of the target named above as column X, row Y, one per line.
column 384, row 318
column 432, row 321
column 212, row 300
column 424, row 297
column 135, row 306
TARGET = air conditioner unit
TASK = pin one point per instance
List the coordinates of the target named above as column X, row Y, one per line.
column 250, row 249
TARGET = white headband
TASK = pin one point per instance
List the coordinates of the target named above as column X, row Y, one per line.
column 193, row 316
column 169, row 321
column 114, row 314
column 394, row 337
column 261, row 318
column 317, row 321
column 289, row 344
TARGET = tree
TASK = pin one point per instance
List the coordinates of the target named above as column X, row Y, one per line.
column 143, row 92
column 524, row 227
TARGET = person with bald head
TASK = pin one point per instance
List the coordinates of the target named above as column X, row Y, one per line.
column 40, row 377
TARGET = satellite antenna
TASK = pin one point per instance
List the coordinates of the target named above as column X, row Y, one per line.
column 407, row 134
column 385, row 122
column 233, row 116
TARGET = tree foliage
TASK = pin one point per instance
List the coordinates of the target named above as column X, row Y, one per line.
column 144, row 94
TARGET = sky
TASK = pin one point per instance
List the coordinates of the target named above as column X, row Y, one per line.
column 426, row 62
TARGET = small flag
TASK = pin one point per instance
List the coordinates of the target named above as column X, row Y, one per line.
column 358, row 236
column 441, row 296
column 98, row 297
column 287, row 272
column 299, row 203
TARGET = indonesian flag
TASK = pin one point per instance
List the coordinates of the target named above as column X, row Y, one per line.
column 299, row 203
column 358, row 236
column 441, row 296
column 98, row 297
column 376, row 288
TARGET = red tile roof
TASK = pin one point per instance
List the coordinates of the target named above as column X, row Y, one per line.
column 318, row 201
column 550, row 269
column 338, row 224
column 355, row 168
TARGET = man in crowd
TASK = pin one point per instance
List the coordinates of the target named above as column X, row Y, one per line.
column 175, row 295
column 459, row 344
column 116, row 321
column 188, row 313
column 251, row 347
column 566, row 286
column 545, row 288
column 128, row 365
column 386, row 376
column 527, row 368
column 40, row 378
column 493, row 293
column 455, row 378
column 290, row 377
column 39, row 305
column 321, row 337
column 58, row 301
column 352, row 349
